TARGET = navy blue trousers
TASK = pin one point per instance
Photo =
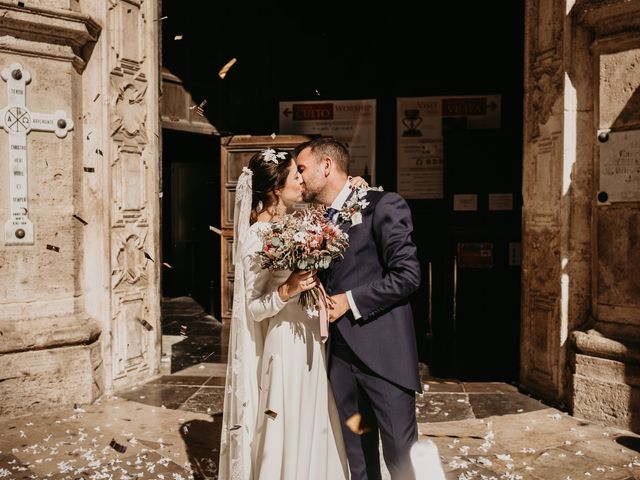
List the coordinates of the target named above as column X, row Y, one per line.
column 386, row 409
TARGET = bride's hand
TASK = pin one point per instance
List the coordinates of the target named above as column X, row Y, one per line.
column 298, row 282
column 358, row 182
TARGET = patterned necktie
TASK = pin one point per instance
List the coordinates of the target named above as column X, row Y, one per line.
column 331, row 214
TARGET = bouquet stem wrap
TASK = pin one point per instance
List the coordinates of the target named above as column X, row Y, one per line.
column 316, row 300
column 323, row 313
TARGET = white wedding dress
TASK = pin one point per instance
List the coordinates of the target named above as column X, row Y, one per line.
column 290, row 426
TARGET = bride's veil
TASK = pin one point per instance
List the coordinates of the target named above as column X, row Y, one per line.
column 244, row 354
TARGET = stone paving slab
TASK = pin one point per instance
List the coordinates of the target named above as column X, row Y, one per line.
column 169, row 396
column 72, row 444
column 539, row 445
column 489, row 404
column 443, row 407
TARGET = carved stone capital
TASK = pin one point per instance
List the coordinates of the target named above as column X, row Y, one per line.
column 608, row 17
column 49, row 26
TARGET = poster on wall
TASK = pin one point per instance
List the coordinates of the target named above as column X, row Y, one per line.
column 353, row 122
column 420, row 123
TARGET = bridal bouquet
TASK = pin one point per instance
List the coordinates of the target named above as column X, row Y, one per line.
column 303, row 240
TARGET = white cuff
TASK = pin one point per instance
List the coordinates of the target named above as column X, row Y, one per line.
column 352, row 304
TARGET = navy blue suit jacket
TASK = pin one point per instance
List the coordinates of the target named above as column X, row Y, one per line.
column 381, row 269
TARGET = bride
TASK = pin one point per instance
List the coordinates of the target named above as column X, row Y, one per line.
column 279, row 420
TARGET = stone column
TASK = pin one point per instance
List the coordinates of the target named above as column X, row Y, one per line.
column 557, row 173
column 50, row 351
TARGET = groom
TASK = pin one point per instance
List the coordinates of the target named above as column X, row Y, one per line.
column 373, row 362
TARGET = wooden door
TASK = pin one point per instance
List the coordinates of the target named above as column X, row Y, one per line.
column 235, row 152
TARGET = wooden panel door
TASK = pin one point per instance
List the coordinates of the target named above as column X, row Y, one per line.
column 235, row 153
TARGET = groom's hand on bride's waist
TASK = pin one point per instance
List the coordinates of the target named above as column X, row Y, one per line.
column 338, row 306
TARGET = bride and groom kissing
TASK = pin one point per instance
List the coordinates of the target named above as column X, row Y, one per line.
column 297, row 408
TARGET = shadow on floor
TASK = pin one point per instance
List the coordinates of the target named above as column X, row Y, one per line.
column 191, row 335
column 202, row 440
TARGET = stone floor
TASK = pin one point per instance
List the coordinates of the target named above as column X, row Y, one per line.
column 169, row 427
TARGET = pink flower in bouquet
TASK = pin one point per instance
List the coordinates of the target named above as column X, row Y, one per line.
column 302, row 240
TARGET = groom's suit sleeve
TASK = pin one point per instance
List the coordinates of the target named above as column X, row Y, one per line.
column 392, row 227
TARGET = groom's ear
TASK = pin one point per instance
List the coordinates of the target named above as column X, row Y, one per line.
column 327, row 163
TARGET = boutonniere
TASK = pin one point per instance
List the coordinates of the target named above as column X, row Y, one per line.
column 352, row 209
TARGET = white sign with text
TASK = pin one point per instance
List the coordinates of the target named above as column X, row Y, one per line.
column 353, row 122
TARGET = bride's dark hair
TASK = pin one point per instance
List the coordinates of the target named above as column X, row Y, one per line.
column 270, row 169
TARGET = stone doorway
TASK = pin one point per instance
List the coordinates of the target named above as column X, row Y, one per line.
column 368, row 55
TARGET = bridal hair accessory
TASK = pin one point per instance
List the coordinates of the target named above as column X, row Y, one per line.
column 270, row 155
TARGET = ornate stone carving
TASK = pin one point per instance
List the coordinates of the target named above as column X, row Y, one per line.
column 128, row 52
column 131, row 342
column 130, row 112
column 547, row 87
column 131, row 261
column 545, row 57
column 131, row 39
column 129, row 183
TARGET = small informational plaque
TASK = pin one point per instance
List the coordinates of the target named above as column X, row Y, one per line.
column 500, row 201
column 465, row 202
column 620, row 168
column 475, row 255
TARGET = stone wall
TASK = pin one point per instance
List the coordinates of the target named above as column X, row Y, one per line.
column 606, row 364
column 79, row 304
column 581, row 292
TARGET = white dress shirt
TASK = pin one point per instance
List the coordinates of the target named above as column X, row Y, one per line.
column 337, row 204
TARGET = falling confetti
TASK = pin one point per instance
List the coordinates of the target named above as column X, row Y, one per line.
column 117, row 447
column 80, row 220
column 355, row 424
column 270, row 413
column 178, row 37
column 223, row 71
column 145, row 324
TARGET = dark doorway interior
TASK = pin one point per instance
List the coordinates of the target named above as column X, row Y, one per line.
column 190, row 203
column 317, row 52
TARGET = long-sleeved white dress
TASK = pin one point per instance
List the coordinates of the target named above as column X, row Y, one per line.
column 297, row 433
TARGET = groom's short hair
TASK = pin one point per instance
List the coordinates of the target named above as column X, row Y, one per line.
column 330, row 147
